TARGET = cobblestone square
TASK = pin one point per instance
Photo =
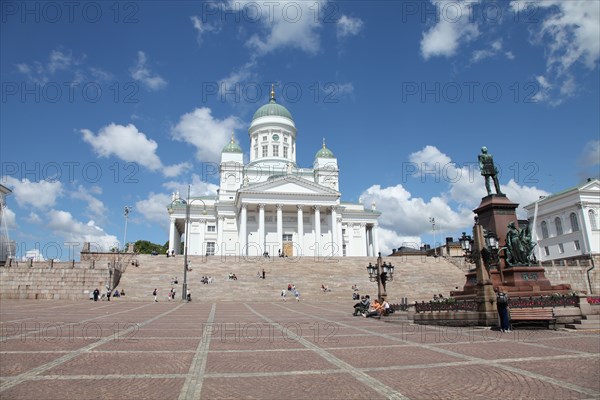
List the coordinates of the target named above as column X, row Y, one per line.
column 75, row 350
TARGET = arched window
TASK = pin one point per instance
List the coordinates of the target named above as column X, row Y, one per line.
column 593, row 222
column 544, row 230
column 558, row 223
column 574, row 223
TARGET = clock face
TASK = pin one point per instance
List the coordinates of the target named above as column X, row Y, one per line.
column 275, row 137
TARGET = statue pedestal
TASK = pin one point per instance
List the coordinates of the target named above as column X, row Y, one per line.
column 495, row 212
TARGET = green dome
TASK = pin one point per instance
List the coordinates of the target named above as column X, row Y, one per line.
column 232, row 147
column 324, row 152
column 272, row 108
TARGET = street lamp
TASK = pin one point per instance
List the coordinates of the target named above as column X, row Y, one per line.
column 432, row 222
column 126, row 213
column 185, row 248
column 381, row 273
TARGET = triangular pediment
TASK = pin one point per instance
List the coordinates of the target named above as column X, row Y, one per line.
column 292, row 185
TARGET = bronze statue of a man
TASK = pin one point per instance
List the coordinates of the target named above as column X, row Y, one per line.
column 488, row 170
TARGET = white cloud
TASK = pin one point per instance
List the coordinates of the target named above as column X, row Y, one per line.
column 70, row 230
column 453, row 28
column 209, row 135
column 34, row 218
column 290, row 24
column 230, row 83
column 59, row 60
column 348, row 26
column 201, row 28
column 569, row 32
column 154, row 208
column 130, row 145
column 40, row 194
column 95, row 207
column 407, row 217
column 140, row 72
column 590, row 156
column 9, row 218
column 494, row 49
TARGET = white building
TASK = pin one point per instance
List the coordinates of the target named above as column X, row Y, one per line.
column 273, row 205
column 566, row 224
column 7, row 247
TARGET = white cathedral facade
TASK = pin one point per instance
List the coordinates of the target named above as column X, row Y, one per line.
column 272, row 205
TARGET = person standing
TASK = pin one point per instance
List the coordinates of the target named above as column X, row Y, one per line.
column 96, row 294
column 502, row 302
column 155, row 294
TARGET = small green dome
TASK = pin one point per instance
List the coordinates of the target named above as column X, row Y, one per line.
column 272, row 109
column 232, row 147
column 324, row 152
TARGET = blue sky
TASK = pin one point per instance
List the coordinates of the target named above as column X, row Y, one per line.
column 106, row 105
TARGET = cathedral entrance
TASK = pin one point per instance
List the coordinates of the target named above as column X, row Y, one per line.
column 288, row 246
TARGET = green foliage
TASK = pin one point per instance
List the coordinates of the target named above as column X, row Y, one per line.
column 146, row 247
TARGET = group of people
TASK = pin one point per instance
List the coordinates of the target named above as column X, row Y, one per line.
column 96, row 295
column 291, row 288
column 260, row 275
column 170, row 253
column 232, row 277
column 325, row 289
column 206, row 279
column 380, row 307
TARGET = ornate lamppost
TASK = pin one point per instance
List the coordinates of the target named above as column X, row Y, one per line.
column 482, row 250
column 381, row 273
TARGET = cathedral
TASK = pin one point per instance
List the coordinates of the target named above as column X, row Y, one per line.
column 272, row 206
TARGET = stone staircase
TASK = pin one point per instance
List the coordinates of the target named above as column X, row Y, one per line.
column 416, row 278
column 58, row 282
column 587, row 322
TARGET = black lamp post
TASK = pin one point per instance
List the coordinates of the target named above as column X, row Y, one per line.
column 381, row 273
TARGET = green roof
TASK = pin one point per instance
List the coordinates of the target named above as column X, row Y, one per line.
column 232, row 147
column 324, row 152
column 272, row 109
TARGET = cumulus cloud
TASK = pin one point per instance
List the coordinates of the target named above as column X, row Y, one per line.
column 129, row 144
column 9, row 219
column 95, row 207
column 40, row 194
column 208, row 134
column 291, row 24
column 569, row 33
column 407, row 217
column 142, row 73
column 590, row 156
column 348, row 26
column 75, row 232
column 494, row 50
column 453, row 28
column 154, row 208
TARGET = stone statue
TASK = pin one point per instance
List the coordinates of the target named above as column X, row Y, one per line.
column 519, row 246
column 488, row 170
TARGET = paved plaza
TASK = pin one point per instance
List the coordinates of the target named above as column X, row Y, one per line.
column 280, row 350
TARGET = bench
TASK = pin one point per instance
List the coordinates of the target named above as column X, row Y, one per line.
column 532, row 315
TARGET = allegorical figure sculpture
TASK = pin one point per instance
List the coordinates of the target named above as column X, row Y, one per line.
column 519, row 246
column 488, row 170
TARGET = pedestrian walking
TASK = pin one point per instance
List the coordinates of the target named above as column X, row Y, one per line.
column 155, row 294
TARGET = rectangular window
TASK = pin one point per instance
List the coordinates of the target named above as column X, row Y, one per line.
column 256, row 152
column 285, row 152
column 287, row 237
column 561, row 248
column 547, row 250
column 275, row 150
column 577, row 246
column 210, row 248
column 264, row 138
column 211, row 228
column 265, row 151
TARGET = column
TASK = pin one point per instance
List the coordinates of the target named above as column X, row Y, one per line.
column 280, row 226
column 334, row 245
column 243, row 235
column 261, row 227
column 375, row 239
column 340, row 236
column 220, row 226
column 363, row 237
column 201, row 238
column 300, row 230
column 318, row 229
column 172, row 230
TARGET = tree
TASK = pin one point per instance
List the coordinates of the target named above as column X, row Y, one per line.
column 146, row 247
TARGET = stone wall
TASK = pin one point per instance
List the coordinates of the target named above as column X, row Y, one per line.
column 575, row 275
column 46, row 280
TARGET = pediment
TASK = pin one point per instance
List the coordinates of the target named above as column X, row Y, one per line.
column 290, row 184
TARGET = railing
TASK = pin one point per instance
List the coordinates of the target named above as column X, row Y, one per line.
column 544, row 301
column 447, row 305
